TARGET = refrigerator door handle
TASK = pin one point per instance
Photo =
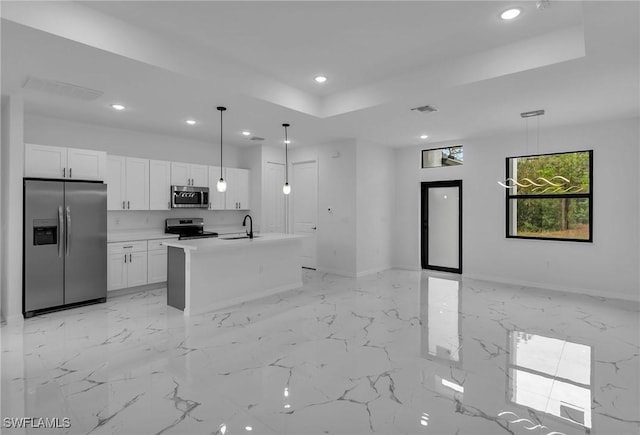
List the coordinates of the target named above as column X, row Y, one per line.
column 61, row 230
column 68, row 239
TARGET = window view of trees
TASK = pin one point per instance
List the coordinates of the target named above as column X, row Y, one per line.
column 549, row 196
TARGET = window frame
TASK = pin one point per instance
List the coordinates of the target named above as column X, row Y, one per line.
column 509, row 196
column 437, row 149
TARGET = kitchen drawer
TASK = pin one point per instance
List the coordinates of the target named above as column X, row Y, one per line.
column 156, row 245
column 138, row 246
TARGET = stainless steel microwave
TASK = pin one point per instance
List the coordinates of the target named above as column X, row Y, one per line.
column 189, row 197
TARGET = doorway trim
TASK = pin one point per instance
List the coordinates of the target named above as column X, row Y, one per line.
column 424, row 216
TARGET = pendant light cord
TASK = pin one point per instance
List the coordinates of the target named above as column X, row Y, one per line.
column 286, row 156
column 221, row 144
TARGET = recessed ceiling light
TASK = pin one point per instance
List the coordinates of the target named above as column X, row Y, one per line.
column 287, row 141
column 424, row 136
column 246, row 133
column 191, row 121
column 117, row 106
column 320, row 79
column 510, row 14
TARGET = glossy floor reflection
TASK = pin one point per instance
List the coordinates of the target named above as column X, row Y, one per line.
column 394, row 353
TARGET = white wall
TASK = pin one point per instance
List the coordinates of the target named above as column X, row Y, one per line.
column 375, row 183
column 58, row 132
column 608, row 266
column 11, row 213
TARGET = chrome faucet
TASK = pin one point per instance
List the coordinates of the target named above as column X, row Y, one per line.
column 244, row 224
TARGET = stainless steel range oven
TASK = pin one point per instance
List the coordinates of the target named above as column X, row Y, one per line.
column 187, row 228
column 189, row 197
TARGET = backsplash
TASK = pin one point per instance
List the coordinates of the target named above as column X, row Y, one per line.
column 135, row 220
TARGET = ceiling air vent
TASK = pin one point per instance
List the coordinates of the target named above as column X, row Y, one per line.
column 427, row 108
column 62, row 89
column 257, row 138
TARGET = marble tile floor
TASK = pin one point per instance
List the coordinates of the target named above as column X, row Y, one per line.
column 398, row 352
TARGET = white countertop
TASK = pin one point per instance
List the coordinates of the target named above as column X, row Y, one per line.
column 216, row 243
column 159, row 234
column 133, row 235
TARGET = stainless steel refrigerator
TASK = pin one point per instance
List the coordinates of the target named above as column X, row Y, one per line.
column 65, row 244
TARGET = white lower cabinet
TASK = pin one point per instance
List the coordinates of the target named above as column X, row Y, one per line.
column 127, row 264
column 131, row 264
column 157, row 262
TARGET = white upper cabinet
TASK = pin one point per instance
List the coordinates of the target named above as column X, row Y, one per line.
column 116, row 183
column 216, row 199
column 237, row 196
column 43, row 161
column 137, row 184
column 127, row 183
column 199, row 175
column 180, row 175
column 86, row 164
column 159, row 185
column 186, row 174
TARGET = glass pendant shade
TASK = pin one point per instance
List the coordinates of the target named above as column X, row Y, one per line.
column 221, row 185
column 286, row 189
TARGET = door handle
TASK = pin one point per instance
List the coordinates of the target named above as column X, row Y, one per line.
column 314, row 228
column 68, row 240
column 61, row 229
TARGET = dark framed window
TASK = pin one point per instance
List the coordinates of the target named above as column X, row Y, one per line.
column 550, row 196
column 439, row 157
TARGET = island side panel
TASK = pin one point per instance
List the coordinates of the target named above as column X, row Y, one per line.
column 231, row 276
column 176, row 278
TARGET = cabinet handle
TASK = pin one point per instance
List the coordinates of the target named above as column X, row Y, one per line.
column 70, row 173
column 125, row 258
column 209, row 206
column 123, row 205
column 64, row 172
column 129, row 258
column 128, row 205
column 125, row 247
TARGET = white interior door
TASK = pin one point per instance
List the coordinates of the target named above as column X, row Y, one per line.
column 274, row 206
column 304, row 208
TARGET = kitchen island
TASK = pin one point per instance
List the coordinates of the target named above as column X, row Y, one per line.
column 212, row 273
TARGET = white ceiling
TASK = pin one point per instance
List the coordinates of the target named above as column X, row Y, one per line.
column 170, row 60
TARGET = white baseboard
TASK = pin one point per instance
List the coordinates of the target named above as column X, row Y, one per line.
column 242, row 299
column 336, row 272
column 407, row 267
column 371, row 271
column 15, row 320
column 557, row 288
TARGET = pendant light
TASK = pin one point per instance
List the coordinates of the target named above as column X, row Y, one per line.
column 221, row 185
column 286, row 189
